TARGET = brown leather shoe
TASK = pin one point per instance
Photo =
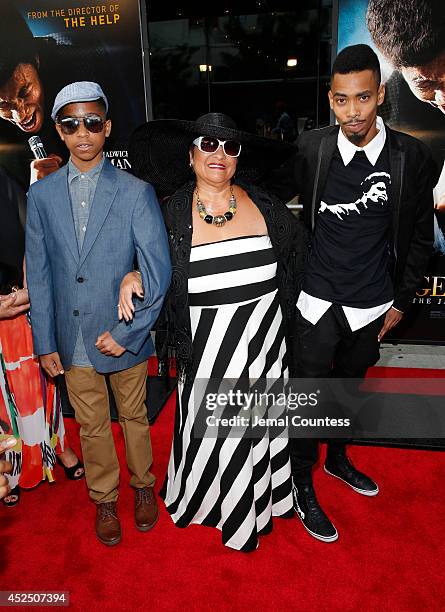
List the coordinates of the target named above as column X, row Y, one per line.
column 146, row 511
column 108, row 528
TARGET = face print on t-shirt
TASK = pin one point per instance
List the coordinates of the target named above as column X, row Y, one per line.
column 375, row 189
column 350, row 256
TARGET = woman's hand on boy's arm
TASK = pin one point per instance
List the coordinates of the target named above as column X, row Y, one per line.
column 131, row 285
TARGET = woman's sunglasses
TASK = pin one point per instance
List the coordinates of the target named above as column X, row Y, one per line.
column 70, row 125
column 208, row 144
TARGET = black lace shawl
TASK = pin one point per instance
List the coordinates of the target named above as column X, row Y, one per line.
column 289, row 241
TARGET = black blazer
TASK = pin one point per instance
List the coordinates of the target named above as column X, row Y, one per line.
column 289, row 241
column 413, row 176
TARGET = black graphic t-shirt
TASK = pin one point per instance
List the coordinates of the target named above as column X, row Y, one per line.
column 349, row 262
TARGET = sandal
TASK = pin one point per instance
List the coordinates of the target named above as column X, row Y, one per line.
column 15, row 492
column 70, row 472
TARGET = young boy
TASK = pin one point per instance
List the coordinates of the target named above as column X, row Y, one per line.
column 86, row 224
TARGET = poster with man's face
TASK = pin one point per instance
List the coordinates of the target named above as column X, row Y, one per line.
column 409, row 38
column 48, row 44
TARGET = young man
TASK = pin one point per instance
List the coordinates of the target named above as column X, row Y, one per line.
column 367, row 200
column 86, row 224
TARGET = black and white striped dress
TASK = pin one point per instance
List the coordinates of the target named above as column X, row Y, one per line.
column 234, row 484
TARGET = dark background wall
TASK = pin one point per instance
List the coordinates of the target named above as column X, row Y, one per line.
column 243, row 49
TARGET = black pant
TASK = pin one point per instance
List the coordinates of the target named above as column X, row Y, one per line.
column 330, row 349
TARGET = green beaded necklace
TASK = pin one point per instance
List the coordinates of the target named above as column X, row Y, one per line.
column 217, row 220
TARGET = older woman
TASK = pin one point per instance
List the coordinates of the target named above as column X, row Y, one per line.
column 236, row 253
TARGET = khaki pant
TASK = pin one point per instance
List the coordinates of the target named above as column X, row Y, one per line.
column 88, row 394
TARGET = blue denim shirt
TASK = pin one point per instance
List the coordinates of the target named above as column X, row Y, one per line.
column 82, row 187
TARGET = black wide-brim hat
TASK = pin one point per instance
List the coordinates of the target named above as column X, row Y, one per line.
column 159, row 150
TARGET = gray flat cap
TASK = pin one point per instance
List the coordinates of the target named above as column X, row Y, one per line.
column 81, row 91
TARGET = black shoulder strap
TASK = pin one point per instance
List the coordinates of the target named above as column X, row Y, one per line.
column 326, row 151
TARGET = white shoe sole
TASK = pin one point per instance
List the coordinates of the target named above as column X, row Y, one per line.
column 317, row 536
column 356, row 489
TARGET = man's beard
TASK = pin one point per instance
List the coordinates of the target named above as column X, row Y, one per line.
column 356, row 138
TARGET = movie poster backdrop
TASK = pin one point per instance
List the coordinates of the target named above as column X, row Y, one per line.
column 425, row 323
column 46, row 44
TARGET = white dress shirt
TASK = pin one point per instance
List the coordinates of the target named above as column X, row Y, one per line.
column 313, row 308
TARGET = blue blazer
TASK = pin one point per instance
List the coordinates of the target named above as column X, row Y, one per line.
column 68, row 288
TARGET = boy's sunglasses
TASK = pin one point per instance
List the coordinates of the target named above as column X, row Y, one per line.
column 70, row 125
column 209, row 144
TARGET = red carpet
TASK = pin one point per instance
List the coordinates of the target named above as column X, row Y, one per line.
column 406, row 380
column 385, row 372
column 389, row 555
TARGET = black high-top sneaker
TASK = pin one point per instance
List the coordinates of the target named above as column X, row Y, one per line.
column 312, row 516
column 341, row 467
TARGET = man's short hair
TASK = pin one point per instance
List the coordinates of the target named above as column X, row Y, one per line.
column 357, row 58
column 407, row 32
column 17, row 44
column 10, row 61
